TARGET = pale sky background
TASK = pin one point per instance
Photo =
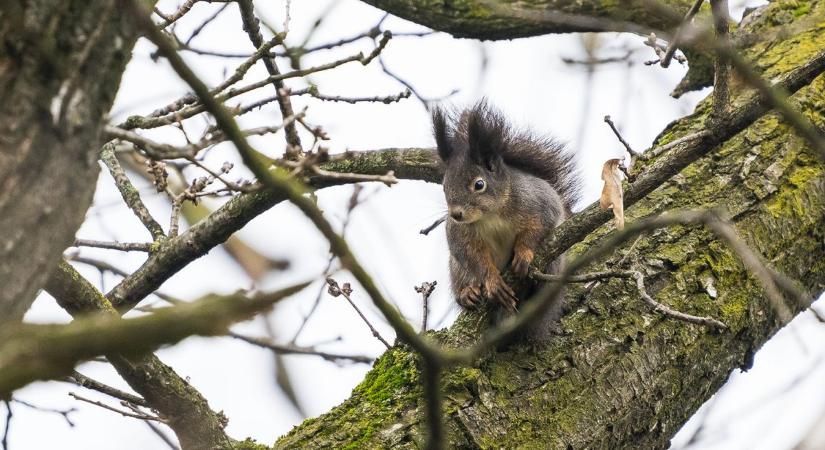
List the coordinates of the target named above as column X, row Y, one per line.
column 768, row 407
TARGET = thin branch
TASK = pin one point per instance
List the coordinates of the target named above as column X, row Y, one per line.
column 424, row 101
column 88, row 383
column 385, row 99
column 136, row 415
column 193, row 109
column 129, row 193
column 426, row 289
column 64, row 413
column 253, row 30
column 292, row 349
column 633, row 153
column 169, row 19
column 205, row 23
column 155, row 428
column 7, row 428
column 388, row 179
column 354, row 200
column 345, row 290
column 677, row 36
column 122, row 246
column 56, row 348
column 426, row 230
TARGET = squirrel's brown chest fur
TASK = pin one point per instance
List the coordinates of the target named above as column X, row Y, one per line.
column 499, row 235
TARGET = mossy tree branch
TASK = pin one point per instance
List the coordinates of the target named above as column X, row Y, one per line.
column 617, row 376
column 509, row 19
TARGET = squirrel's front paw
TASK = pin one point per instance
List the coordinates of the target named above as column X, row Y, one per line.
column 495, row 288
column 521, row 262
column 469, row 297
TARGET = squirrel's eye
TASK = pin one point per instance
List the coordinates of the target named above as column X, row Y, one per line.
column 479, row 185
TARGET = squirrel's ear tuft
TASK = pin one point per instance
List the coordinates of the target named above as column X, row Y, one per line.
column 486, row 135
column 442, row 139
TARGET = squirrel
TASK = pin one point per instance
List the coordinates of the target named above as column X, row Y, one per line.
column 505, row 190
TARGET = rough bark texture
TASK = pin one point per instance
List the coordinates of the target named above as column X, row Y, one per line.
column 188, row 413
column 60, row 67
column 509, row 19
column 619, row 376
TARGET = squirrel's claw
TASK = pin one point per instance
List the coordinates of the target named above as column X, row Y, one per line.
column 495, row 288
column 521, row 262
column 469, row 297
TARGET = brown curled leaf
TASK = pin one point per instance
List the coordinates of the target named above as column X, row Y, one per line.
column 612, row 196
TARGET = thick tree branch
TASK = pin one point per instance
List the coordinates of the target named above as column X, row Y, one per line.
column 186, row 411
column 615, row 377
column 508, row 19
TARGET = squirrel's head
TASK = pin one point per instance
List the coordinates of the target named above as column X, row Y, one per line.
column 476, row 181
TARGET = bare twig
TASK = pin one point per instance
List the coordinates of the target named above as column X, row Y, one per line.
column 155, row 429
column 660, row 49
column 292, row 349
column 206, row 22
column 345, row 290
column 388, row 179
column 677, row 36
column 129, row 193
column 64, row 413
column 122, row 246
column 252, row 28
column 633, row 153
column 84, row 381
column 7, row 427
column 386, row 99
column 176, row 115
column 426, row 289
column 169, row 19
column 136, row 415
column 410, row 88
column 354, row 200
column 426, row 230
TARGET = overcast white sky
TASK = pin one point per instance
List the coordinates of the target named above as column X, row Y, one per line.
column 768, row 407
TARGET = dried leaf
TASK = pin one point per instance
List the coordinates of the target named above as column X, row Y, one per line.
column 612, row 195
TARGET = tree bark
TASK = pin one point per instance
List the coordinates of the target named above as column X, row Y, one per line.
column 60, row 68
column 510, row 19
column 619, row 375
column 187, row 412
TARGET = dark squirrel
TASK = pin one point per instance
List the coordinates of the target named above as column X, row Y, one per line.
column 505, row 190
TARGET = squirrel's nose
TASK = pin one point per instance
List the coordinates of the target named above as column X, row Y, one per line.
column 456, row 214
